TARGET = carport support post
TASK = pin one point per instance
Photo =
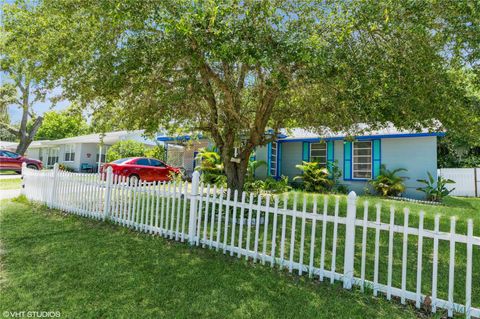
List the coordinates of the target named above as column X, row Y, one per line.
column 108, row 193
column 53, row 193
column 24, row 167
column 192, row 222
column 349, row 240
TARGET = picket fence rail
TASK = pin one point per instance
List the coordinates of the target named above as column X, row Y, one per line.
column 267, row 229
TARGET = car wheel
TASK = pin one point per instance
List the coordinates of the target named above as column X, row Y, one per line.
column 133, row 179
column 32, row 166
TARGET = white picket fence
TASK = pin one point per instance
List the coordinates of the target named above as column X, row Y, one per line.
column 269, row 230
column 467, row 181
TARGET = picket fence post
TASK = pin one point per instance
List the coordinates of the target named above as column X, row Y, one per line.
column 24, row 167
column 108, row 193
column 349, row 240
column 54, row 186
column 192, row 223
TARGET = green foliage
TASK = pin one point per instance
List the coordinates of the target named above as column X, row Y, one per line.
column 235, row 68
column 157, row 152
column 64, row 167
column 123, row 149
column 211, row 167
column 269, row 185
column 435, row 190
column 56, row 125
column 388, row 183
column 252, row 167
column 315, row 178
column 459, row 152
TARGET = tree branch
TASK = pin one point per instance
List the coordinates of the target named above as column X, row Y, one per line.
column 9, row 128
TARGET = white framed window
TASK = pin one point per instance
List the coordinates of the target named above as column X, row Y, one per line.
column 52, row 156
column 69, row 153
column 273, row 159
column 362, row 160
column 318, row 153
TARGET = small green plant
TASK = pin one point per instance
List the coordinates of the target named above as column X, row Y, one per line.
column 435, row 190
column 211, row 167
column 252, row 167
column 389, row 183
column 314, row 177
column 336, row 174
column 65, row 168
column 269, row 185
column 277, row 186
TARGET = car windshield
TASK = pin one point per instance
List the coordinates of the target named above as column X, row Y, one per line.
column 122, row 160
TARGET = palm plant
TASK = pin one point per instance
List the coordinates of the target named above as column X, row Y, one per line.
column 252, row 167
column 435, row 192
column 388, row 183
column 211, row 167
column 314, row 177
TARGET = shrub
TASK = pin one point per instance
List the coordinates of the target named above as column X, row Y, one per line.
column 123, row 149
column 157, row 152
column 252, row 167
column 336, row 174
column 211, row 167
column 64, row 167
column 437, row 192
column 388, row 183
column 314, row 177
column 269, row 185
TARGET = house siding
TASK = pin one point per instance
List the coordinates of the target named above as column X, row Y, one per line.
column 291, row 156
column 261, row 154
column 416, row 154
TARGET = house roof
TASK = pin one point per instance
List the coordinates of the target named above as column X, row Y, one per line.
column 108, row 139
column 361, row 131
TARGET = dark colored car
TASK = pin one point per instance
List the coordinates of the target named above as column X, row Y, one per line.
column 142, row 168
column 10, row 161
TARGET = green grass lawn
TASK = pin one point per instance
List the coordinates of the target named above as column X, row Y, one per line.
column 11, row 183
column 86, row 268
column 8, row 173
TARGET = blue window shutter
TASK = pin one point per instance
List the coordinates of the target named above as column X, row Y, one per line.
column 330, row 157
column 279, row 159
column 347, row 160
column 269, row 158
column 376, row 157
column 306, row 152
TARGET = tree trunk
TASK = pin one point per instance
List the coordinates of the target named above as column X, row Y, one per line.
column 236, row 173
column 27, row 138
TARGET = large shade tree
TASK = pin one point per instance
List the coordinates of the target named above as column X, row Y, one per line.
column 240, row 70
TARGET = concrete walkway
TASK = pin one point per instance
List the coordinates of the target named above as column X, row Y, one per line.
column 10, row 176
column 9, row 193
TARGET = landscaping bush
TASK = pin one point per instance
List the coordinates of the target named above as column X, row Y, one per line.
column 123, row 149
column 437, row 192
column 269, row 185
column 157, row 152
column 314, row 177
column 66, row 168
column 211, row 167
column 388, row 183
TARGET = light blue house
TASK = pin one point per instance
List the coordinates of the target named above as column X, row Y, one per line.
column 358, row 157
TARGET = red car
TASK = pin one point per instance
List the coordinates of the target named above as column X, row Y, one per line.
column 141, row 168
column 10, row 161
